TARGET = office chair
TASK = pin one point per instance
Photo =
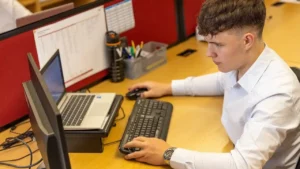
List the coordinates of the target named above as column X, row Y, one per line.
column 297, row 72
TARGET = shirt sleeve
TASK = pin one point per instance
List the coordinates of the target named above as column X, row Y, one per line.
column 207, row 85
column 271, row 120
column 14, row 8
column 20, row 10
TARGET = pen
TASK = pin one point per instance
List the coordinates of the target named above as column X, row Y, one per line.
column 137, row 51
column 142, row 44
column 132, row 52
column 125, row 53
column 133, row 46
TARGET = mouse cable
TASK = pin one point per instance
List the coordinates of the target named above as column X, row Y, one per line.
column 123, row 112
column 110, row 143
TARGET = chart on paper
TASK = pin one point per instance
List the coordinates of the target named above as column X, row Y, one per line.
column 120, row 17
column 81, row 42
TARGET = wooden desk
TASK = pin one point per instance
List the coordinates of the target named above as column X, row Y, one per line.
column 282, row 31
column 196, row 121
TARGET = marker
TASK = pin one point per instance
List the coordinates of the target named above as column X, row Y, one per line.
column 133, row 46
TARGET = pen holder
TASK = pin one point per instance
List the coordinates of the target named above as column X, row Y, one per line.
column 152, row 56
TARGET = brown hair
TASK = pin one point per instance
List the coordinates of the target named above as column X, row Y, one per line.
column 220, row 15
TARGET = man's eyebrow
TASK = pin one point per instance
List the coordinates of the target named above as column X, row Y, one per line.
column 216, row 43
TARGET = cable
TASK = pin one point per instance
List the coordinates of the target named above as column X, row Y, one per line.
column 12, row 130
column 20, row 140
column 16, row 166
column 110, row 143
column 31, row 156
column 122, row 116
column 17, row 159
column 13, row 140
column 15, row 126
column 16, row 145
column 113, row 142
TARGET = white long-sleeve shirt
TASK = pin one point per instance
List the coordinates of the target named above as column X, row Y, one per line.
column 10, row 10
column 261, row 115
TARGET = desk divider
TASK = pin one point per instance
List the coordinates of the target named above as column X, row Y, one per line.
column 155, row 20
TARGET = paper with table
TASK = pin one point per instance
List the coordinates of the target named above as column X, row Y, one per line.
column 81, row 41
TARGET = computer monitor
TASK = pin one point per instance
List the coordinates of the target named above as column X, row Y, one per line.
column 43, row 132
column 50, row 114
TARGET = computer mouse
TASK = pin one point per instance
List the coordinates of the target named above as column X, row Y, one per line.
column 134, row 94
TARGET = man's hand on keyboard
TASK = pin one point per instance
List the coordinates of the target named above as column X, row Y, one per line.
column 154, row 89
column 151, row 150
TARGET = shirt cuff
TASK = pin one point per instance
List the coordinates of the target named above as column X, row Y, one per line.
column 178, row 87
column 181, row 157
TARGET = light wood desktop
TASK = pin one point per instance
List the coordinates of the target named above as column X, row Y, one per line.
column 195, row 123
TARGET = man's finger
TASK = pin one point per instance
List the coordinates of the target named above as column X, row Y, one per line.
column 135, row 143
column 138, row 85
column 135, row 155
column 140, row 138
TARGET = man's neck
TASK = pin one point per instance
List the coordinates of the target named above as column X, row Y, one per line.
column 252, row 55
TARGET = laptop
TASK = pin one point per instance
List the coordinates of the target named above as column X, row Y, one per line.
column 79, row 111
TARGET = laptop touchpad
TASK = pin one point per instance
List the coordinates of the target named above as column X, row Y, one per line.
column 99, row 109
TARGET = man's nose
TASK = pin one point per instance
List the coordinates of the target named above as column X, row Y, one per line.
column 210, row 51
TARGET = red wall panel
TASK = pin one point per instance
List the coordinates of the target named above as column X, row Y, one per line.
column 191, row 9
column 155, row 20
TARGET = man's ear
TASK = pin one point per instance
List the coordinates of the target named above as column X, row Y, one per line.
column 248, row 40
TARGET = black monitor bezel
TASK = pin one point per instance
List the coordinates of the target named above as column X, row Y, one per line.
column 53, row 115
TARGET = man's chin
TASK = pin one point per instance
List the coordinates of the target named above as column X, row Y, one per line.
column 223, row 70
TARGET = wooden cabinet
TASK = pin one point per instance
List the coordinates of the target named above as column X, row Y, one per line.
column 32, row 5
column 38, row 5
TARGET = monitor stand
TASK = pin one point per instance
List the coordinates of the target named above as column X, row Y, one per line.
column 42, row 165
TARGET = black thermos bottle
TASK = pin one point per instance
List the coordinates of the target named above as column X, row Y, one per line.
column 115, row 53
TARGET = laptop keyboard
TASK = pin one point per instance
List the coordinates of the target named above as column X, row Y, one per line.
column 76, row 109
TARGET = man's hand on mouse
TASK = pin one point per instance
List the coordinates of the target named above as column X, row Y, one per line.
column 151, row 150
column 154, row 89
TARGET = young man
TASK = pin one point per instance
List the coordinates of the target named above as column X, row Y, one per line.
column 261, row 95
column 10, row 10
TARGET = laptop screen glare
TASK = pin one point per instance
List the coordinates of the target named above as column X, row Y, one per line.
column 54, row 78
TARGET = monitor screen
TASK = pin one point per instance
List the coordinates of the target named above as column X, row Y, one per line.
column 50, row 111
column 53, row 76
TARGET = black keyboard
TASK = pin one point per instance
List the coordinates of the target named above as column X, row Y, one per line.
column 75, row 110
column 149, row 118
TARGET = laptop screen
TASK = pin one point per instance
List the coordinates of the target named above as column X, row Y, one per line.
column 53, row 75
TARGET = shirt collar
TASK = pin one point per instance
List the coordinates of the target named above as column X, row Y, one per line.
column 254, row 73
